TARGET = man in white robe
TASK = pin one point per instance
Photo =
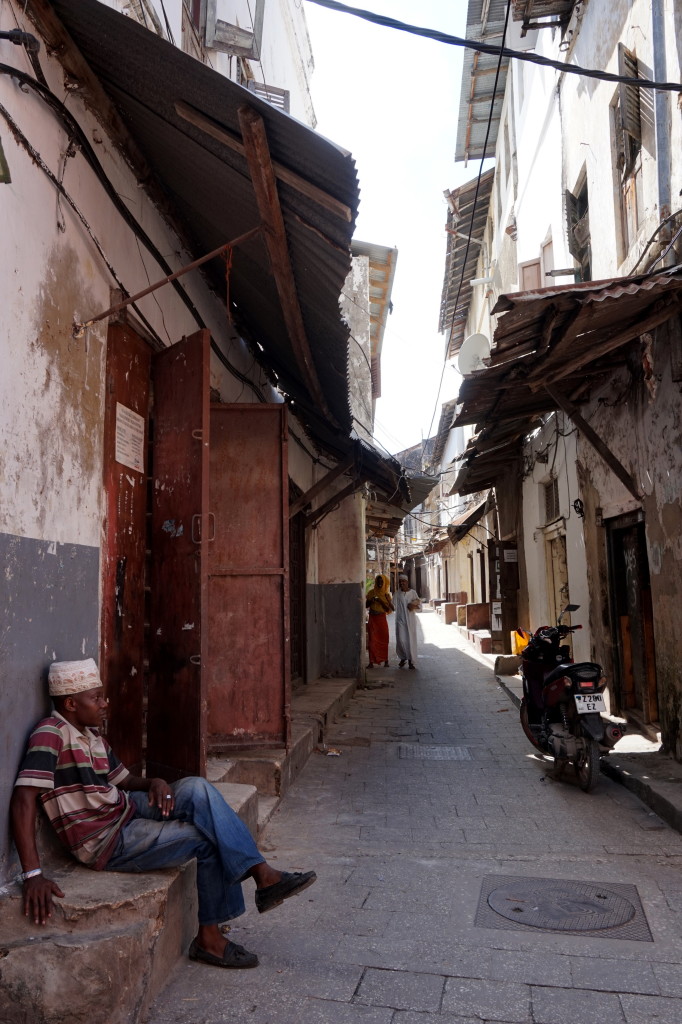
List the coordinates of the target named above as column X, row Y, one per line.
column 406, row 604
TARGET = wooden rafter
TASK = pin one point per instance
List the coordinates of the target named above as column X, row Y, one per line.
column 220, row 134
column 548, row 372
column 594, row 439
column 332, row 502
column 257, row 152
column 327, row 479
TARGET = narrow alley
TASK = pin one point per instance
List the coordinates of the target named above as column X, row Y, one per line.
column 427, row 811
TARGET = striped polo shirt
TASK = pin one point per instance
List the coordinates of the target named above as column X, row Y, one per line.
column 79, row 773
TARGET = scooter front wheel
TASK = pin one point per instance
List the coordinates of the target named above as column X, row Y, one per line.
column 587, row 763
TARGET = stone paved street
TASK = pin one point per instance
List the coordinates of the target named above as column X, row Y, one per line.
column 403, row 845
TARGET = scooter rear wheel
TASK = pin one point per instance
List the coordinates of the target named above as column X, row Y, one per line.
column 525, row 724
column 587, row 763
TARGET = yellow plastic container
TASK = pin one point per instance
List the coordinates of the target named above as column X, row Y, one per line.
column 519, row 640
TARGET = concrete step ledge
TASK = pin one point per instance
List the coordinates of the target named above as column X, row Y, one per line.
column 272, row 771
column 111, row 943
column 106, row 952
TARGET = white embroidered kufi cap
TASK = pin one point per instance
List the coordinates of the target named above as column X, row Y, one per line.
column 67, row 677
column 403, row 577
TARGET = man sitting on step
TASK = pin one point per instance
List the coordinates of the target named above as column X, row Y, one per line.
column 113, row 821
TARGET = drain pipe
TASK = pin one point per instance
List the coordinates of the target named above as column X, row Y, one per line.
column 662, row 123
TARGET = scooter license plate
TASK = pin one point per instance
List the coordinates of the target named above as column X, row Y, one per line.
column 589, row 703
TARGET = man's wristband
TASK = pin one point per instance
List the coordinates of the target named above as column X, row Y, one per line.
column 30, row 874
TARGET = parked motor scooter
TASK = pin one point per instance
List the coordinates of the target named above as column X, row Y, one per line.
column 562, row 705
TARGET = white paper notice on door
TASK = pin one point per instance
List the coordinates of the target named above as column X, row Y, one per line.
column 129, row 438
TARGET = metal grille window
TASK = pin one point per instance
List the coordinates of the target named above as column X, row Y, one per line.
column 551, row 501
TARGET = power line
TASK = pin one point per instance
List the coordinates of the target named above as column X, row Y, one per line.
column 470, row 232
column 490, row 48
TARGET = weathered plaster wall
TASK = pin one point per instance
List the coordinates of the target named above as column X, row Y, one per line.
column 539, row 201
column 355, row 308
column 335, row 573
column 336, row 608
column 555, row 443
column 52, row 385
column 588, row 134
column 48, row 612
column 643, row 424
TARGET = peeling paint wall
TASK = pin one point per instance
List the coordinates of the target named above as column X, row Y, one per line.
column 52, row 385
column 643, row 423
column 337, row 604
column 550, row 455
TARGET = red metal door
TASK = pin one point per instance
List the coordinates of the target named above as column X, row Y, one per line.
column 248, row 668
column 123, row 554
column 176, row 717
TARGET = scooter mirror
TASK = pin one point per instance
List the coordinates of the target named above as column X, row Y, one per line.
column 566, row 610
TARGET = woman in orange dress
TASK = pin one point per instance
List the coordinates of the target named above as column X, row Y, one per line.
column 380, row 605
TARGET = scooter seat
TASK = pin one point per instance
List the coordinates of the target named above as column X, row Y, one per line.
column 581, row 671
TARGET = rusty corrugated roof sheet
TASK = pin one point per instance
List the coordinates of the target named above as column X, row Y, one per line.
column 570, row 335
column 461, row 524
column 563, row 335
column 209, row 188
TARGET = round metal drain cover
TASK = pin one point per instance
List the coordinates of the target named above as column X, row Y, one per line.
column 562, row 906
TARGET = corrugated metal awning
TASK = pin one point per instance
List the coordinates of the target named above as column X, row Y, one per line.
column 382, row 264
column 447, row 413
column 485, row 23
column 434, row 546
column 563, row 339
column 465, row 226
column 156, row 88
column 461, row 525
column 483, row 461
column 564, row 336
column 384, row 518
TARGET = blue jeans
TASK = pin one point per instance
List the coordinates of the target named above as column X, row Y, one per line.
column 202, row 825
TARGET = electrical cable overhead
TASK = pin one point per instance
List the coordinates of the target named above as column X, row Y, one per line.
column 470, row 232
column 490, row 48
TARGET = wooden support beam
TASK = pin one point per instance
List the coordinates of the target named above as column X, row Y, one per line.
column 548, row 374
column 335, row 499
column 326, row 480
column 593, row 438
column 206, row 124
column 257, row 154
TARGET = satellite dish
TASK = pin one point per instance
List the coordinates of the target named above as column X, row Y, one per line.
column 473, row 353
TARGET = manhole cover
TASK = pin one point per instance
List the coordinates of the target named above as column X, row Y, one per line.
column 563, row 907
column 611, row 910
column 423, row 752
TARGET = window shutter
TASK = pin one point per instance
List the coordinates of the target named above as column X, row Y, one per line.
column 530, row 275
column 271, row 94
column 628, row 66
column 572, row 219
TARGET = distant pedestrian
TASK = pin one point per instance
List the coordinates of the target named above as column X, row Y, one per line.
column 406, row 604
column 380, row 605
